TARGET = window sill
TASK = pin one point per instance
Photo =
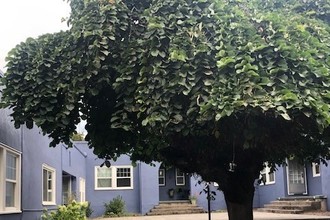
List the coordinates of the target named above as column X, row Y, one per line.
column 49, row 203
column 110, row 189
column 267, row 184
column 10, row 212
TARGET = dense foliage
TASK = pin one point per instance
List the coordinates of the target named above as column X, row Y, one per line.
column 115, row 208
column 72, row 211
column 211, row 86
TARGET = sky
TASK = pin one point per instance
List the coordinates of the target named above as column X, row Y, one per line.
column 20, row 19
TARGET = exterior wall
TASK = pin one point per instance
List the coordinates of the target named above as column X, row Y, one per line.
column 198, row 190
column 97, row 198
column 74, row 164
column 180, row 192
column 9, row 135
column 149, row 190
column 314, row 184
column 10, row 138
column 36, row 152
column 80, row 162
column 325, row 180
column 267, row 193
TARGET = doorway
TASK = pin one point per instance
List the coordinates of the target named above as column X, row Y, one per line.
column 296, row 178
column 173, row 184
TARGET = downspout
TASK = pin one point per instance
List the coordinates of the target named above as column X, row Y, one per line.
column 22, row 176
column 61, row 177
column 140, row 189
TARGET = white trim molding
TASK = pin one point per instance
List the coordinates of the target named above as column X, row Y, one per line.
column 48, row 185
column 180, row 179
column 267, row 176
column 10, row 180
column 316, row 169
column 113, row 178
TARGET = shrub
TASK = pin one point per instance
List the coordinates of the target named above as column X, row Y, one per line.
column 116, row 207
column 89, row 210
column 73, row 211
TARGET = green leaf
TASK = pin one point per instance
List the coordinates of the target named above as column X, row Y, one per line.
column 224, row 62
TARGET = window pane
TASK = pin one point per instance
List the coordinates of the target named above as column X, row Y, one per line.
column 317, row 168
column 11, row 166
column 50, row 196
column 179, row 173
column 161, row 172
column 44, row 185
column 124, row 182
column 263, row 178
column 180, row 180
column 271, row 177
column 47, row 185
column 103, row 172
column 161, row 181
column 10, row 194
column 104, row 183
column 123, row 172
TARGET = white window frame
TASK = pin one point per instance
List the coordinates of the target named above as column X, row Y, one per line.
column 179, row 176
column 113, row 178
column 3, row 180
column 53, row 182
column 162, row 177
column 267, row 172
column 314, row 170
column 82, row 189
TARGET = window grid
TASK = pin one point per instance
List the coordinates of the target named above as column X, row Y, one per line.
column 49, row 188
column 267, row 177
column 114, row 178
column 316, row 169
column 104, row 177
column 161, row 177
column 10, row 179
column 179, row 178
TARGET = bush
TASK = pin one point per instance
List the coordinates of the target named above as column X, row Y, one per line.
column 89, row 210
column 116, row 207
column 73, row 211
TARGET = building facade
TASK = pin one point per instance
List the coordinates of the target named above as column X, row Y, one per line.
column 34, row 176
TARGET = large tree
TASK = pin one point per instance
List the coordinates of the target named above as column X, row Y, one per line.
column 213, row 87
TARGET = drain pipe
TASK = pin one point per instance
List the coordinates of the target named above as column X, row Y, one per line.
column 209, row 201
column 140, row 184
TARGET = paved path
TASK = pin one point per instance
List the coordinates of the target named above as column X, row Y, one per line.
column 223, row 216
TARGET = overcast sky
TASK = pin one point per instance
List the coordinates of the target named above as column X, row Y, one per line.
column 20, row 19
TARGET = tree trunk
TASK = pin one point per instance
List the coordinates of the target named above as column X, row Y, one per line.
column 239, row 196
column 240, row 211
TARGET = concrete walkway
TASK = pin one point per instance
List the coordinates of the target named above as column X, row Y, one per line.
column 223, row 216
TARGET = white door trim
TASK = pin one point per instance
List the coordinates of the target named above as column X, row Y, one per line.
column 288, row 182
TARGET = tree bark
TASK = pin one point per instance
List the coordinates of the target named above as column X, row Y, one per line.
column 240, row 211
column 239, row 196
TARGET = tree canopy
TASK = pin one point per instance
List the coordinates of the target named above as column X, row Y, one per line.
column 200, row 84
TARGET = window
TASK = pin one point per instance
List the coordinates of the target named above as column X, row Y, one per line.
column 10, row 180
column 267, row 177
column 316, row 169
column 179, row 178
column 48, row 185
column 114, row 177
column 82, row 190
column 161, row 177
column 66, row 188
